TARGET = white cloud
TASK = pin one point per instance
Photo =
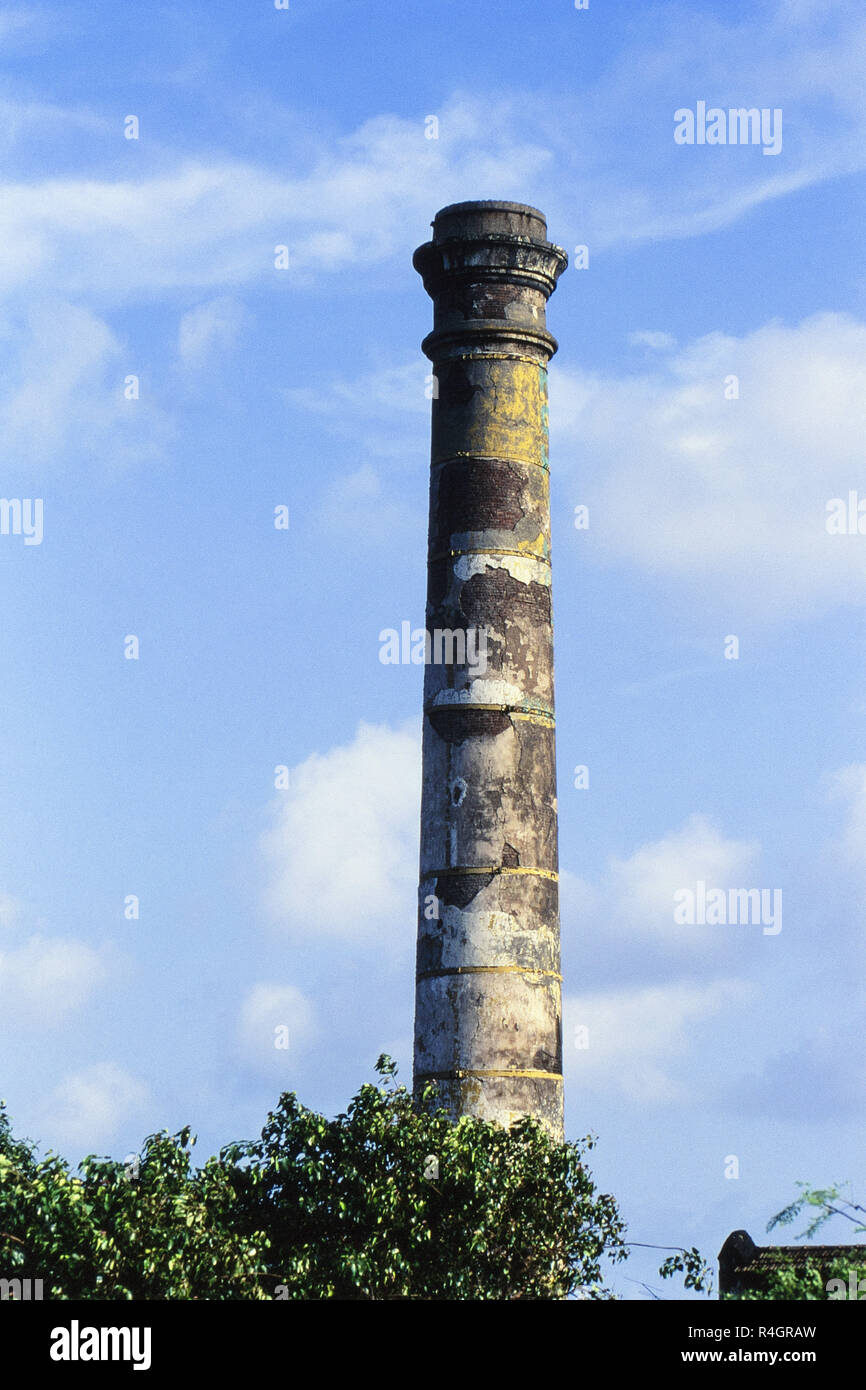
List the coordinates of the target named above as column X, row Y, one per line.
column 377, row 395
column 729, row 493
column 10, row 911
column 804, row 61
column 342, row 851
column 357, row 198
column 633, row 899
column 849, row 783
column 208, row 328
column 633, row 1034
column 88, row 1107
column 267, row 1008
column 24, row 28
column 67, row 385
column 655, row 341
column 603, row 164
column 380, row 414
column 577, row 897
column 218, row 224
column 362, row 509
column 642, row 887
column 46, row 978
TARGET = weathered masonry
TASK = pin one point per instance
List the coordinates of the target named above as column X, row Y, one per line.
column 488, row 994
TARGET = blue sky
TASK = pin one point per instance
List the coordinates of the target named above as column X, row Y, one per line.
column 258, row 387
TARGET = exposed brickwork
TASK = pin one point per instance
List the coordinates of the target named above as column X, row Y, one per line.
column 475, row 495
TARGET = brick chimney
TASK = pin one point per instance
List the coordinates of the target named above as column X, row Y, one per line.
column 488, row 993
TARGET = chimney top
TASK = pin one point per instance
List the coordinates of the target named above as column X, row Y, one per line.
column 489, row 241
column 489, row 218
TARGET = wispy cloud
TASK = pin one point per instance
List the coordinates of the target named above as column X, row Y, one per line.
column 67, row 383
column 43, row 978
column 624, row 913
column 849, row 785
column 630, row 1041
column 277, row 1023
column 603, row 164
column 207, row 329
column 89, row 1107
column 743, row 442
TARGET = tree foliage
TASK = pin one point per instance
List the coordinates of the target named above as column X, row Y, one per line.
column 386, row 1201
column 800, row 1283
column 823, row 1203
column 696, row 1271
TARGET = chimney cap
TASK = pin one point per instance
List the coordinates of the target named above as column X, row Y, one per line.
column 489, row 217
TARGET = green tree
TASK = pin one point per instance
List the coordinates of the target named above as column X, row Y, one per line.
column 823, row 1203
column 153, row 1229
column 386, row 1201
